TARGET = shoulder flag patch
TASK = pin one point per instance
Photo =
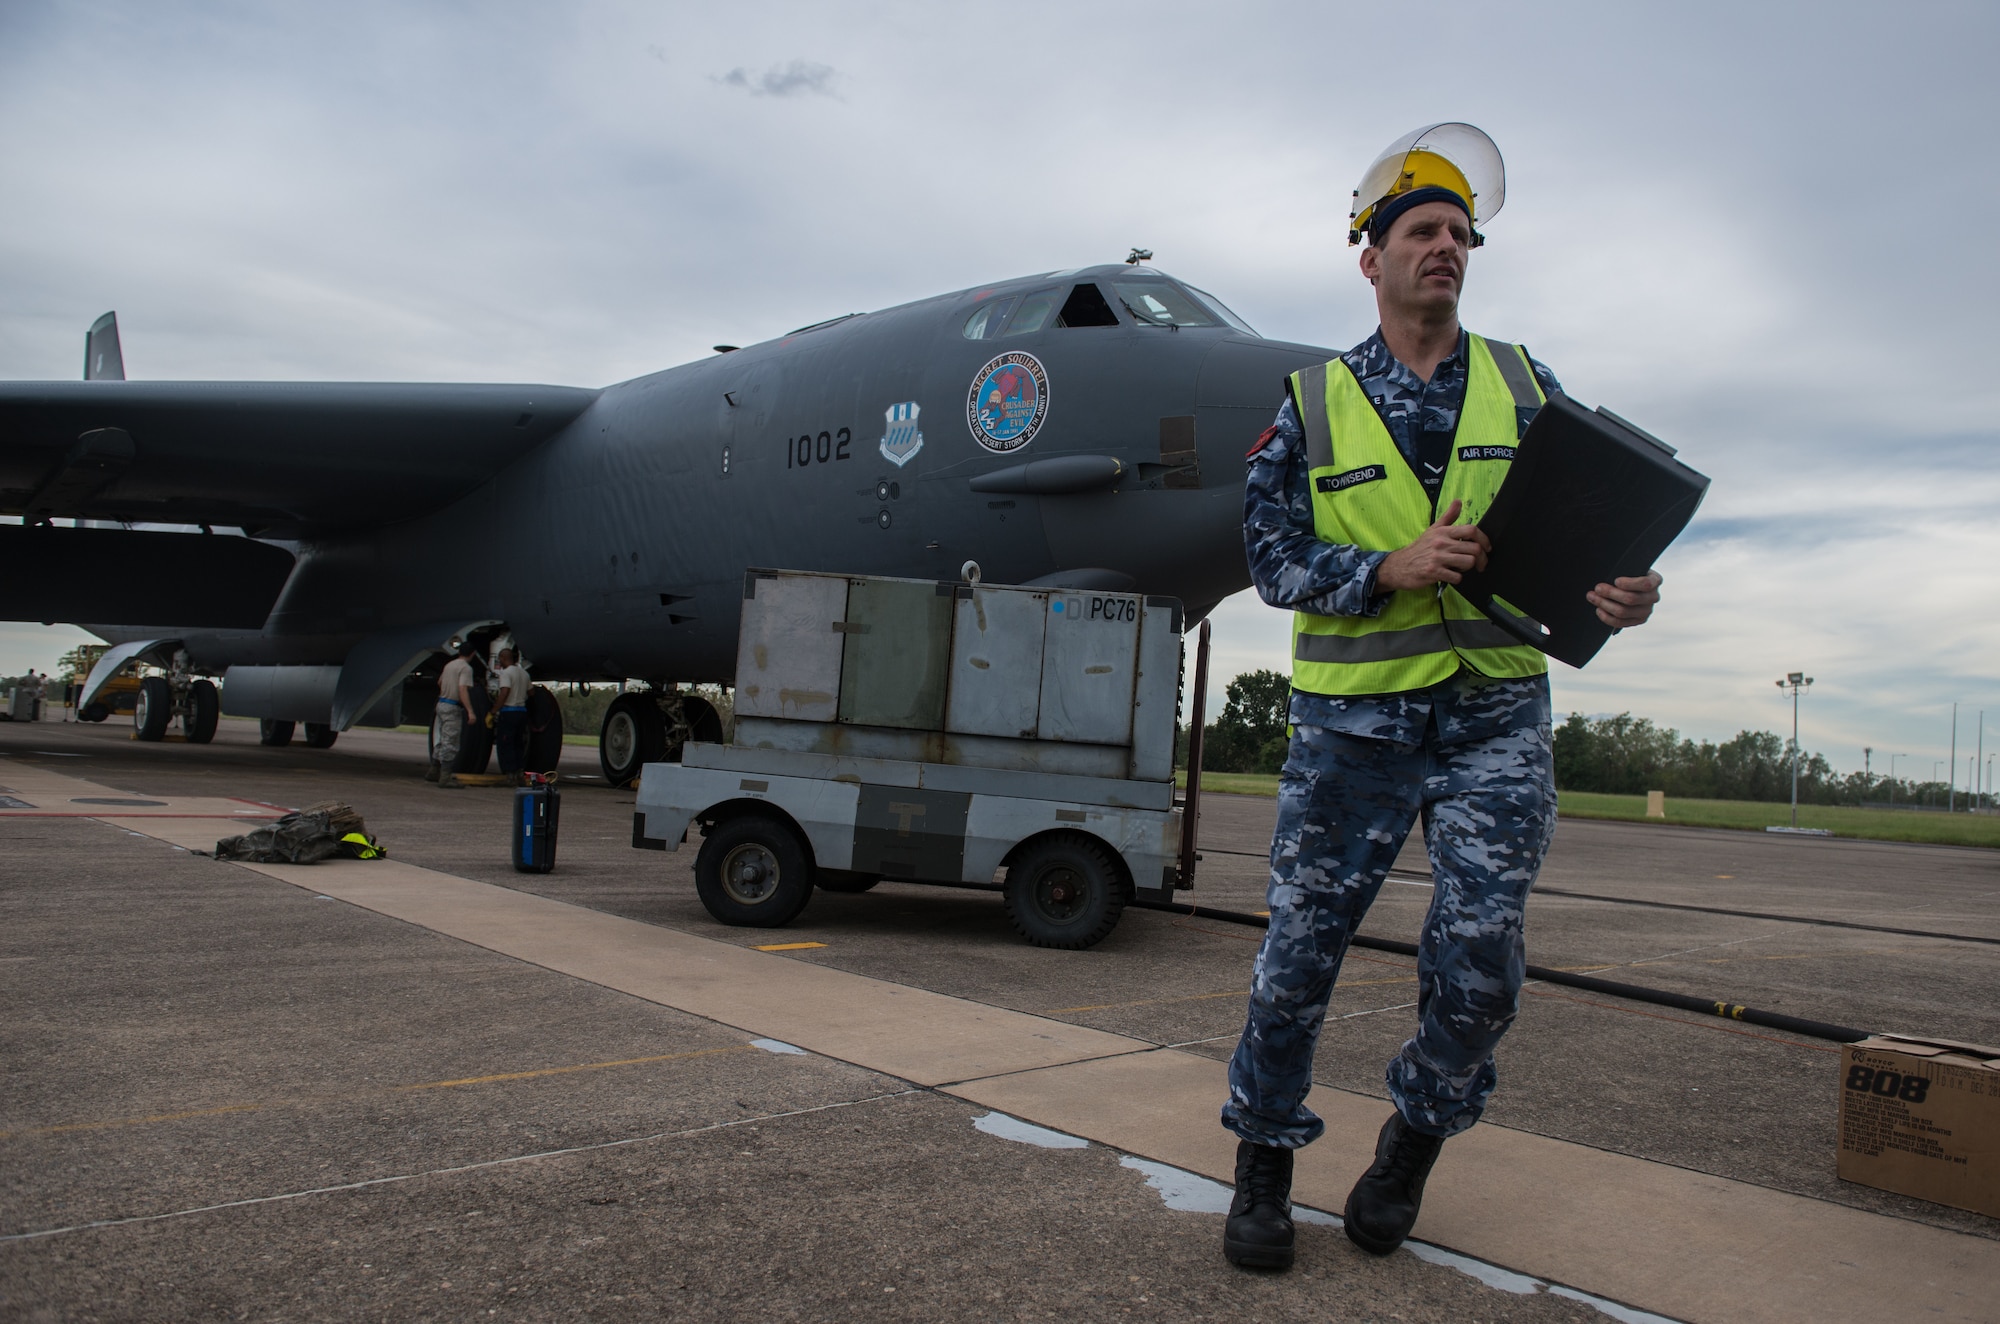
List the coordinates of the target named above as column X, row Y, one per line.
column 1263, row 440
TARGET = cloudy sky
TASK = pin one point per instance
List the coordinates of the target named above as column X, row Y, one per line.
column 1761, row 230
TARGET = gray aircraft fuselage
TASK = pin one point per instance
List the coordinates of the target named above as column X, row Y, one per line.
column 616, row 547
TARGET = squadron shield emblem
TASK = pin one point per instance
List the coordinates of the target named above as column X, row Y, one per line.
column 1008, row 403
column 901, row 441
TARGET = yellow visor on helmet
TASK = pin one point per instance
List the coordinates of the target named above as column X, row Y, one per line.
column 1453, row 156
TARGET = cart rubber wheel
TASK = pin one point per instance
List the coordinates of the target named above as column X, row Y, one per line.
column 634, row 734
column 94, row 712
column 270, row 731
column 320, row 735
column 203, row 709
column 154, row 709
column 845, row 880
column 1065, row 890
column 753, row 872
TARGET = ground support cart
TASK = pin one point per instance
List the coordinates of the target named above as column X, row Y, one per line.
column 938, row 732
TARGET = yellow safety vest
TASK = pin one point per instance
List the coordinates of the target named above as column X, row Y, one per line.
column 1364, row 494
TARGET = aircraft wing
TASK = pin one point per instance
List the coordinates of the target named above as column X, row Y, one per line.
column 279, row 459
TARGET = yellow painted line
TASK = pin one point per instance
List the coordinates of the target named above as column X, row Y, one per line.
column 789, row 946
column 117, row 1122
column 132, row 1121
column 564, row 1071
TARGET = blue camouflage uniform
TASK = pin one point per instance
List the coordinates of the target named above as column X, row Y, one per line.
column 1471, row 756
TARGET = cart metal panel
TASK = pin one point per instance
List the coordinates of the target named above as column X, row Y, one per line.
column 1089, row 658
column 1112, row 792
column 788, row 651
column 897, row 643
column 996, row 662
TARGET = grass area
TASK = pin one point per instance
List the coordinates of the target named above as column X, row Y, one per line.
column 1233, row 783
column 1875, row 824
column 1746, row 815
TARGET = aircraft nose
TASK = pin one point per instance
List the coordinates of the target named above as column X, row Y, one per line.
column 1241, row 386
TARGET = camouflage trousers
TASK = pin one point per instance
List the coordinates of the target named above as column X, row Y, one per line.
column 1345, row 805
column 448, row 734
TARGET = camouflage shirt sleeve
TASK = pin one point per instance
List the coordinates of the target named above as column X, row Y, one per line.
column 1550, row 386
column 1289, row 563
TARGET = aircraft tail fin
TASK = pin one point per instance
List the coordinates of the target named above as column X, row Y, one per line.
column 103, row 357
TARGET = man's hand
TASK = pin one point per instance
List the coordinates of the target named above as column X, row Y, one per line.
column 1626, row 602
column 1442, row 555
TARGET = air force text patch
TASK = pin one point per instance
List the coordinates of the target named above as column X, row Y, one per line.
column 1372, row 473
column 1485, row 453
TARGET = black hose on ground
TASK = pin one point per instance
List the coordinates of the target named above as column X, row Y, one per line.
column 1770, row 1020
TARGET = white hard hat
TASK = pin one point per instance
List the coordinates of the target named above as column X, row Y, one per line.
column 1455, row 158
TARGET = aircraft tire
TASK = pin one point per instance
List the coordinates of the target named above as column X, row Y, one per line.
column 475, row 748
column 319, row 735
column 844, row 880
column 203, row 710
column 545, row 731
column 754, row 872
column 1065, row 890
column 271, row 731
column 634, row 734
column 154, row 709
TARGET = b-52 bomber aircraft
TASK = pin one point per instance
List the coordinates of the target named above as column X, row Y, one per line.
column 1081, row 429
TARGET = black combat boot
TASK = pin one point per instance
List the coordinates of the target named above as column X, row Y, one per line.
column 1259, row 1232
column 432, row 773
column 1382, row 1207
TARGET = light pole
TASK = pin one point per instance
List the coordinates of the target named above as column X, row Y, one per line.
column 1892, row 775
column 1951, row 795
column 1978, row 758
column 1796, row 681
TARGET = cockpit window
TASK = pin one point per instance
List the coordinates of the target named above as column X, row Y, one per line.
column 985, row 322
column 1086, row 307
column 1221, row 310
column 1033, row 314
column 1161, row 304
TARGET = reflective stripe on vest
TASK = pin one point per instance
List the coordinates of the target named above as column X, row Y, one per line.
column 1365, row 494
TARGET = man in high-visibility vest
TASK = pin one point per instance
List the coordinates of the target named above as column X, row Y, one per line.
column 1361, row 510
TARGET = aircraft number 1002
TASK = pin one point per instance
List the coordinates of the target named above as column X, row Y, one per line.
column 824, row 448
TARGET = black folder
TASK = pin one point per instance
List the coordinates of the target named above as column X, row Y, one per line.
column 1589, row 498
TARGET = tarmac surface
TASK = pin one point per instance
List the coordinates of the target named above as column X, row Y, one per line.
column 398, row 1123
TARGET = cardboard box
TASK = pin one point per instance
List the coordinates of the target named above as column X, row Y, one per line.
column 1922, row 1117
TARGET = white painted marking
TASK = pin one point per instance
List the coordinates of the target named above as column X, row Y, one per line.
column 537, row 1157
column 1492, row 1275
column 1623, row 1314
column 1026, row 1133
column 777, row 1046
column 1193, row 1193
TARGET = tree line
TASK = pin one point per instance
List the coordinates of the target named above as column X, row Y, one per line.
column 1622, row 755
